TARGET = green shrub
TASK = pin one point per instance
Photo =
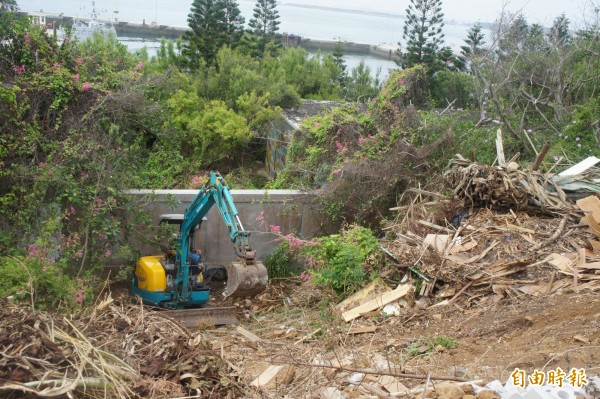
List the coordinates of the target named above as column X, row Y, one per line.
column 447, row 86
column 39, row 281
column 279, row 262
column 344, row 261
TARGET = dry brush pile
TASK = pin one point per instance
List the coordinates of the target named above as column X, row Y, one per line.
column 113, row 351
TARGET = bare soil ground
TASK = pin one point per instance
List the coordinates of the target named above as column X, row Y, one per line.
column 486, row 343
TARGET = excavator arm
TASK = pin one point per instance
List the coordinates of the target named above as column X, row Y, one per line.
column 244, row 277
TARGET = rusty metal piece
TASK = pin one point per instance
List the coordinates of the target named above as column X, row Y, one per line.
column 245, row 279
column 191, row 318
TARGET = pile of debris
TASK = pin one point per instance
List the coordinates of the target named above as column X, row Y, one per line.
column 516, row 232
column 115, row 351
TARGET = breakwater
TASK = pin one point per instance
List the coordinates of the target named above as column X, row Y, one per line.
column 155, row 31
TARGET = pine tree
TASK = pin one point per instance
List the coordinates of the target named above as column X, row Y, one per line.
column 422, row 34
column 232, row 22
column 265, row 23
column 559, row 33
column 338, row 58
column 213, row 24
column 474, row 42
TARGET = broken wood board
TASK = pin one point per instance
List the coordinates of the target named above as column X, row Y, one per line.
column 439, row 242
column 392, row 385
column 592, row 222
column 562, row 263
column 362, row 330
column 580, row 167
column 591, row 266
column 463, row 259
column 590, row 205
column 252, row 337
column 596, row 246
column 274, row 375
column 379, row 301
column 463, row 247
column 377, row 287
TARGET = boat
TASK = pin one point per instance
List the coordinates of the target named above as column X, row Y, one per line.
column 85, row 28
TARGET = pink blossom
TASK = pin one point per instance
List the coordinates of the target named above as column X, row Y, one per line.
column 339, row 145
column 139, row 66
column 79, row 295
column 107, row 252
column 261, row 218
column 19, row 69
column 41, row 164
column 305, row 277
column 78, row 254
column 361, row 140
column 33, row 251
column 86, row 86
column 79, row 60
column 27, row 38
column 275, row 229
column 76, row 77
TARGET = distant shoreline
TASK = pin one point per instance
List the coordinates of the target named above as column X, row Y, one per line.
column 486, row 25
column 345, row 10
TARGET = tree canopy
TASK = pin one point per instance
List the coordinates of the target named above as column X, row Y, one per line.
column 213, row 24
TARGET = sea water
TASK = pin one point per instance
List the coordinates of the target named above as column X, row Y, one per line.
column 315, row 23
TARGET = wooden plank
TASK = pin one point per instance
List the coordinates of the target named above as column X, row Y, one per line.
column 307, row 336
column 362, row 330
column 464, row 260
column 381, row 300
column 500, row 149
column 592, row 265
column 593, row 223
column 590, row 205
column 595, row 246
column 274, row 375
column 580, row 167
column 248, row 334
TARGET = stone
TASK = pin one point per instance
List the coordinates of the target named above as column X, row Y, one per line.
column 468, row 389
column 331, row 393
column 448, row 390
column 487, row 394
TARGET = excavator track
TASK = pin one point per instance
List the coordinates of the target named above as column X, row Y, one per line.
column 191, row 318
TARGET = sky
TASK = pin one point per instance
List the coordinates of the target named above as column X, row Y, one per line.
column 540, row 11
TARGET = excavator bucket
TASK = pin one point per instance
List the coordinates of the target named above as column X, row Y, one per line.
column 245, row 280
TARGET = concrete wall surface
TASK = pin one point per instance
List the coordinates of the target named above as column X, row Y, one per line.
column 258, row 210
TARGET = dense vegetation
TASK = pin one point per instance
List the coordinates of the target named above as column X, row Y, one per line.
column 82, row 122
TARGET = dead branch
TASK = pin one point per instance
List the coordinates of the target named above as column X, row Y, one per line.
column 375, row 372
column 557, row 233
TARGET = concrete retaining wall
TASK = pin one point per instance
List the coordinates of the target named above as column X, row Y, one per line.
column 288, row 209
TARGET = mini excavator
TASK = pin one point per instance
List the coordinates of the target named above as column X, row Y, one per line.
column 176, row 281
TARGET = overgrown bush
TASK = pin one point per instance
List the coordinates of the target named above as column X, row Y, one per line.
column 344, row 262
column 279, row 262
